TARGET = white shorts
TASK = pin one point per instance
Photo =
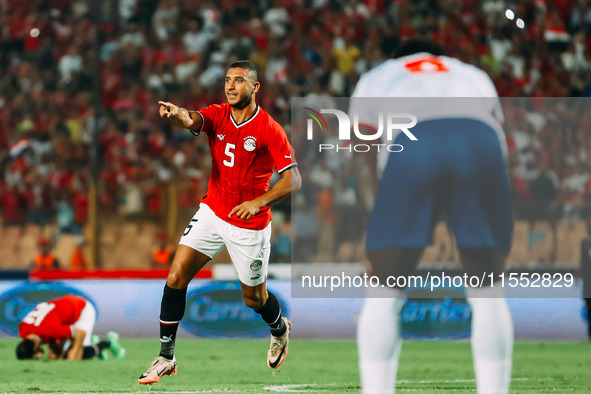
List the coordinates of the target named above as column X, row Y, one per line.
column 248, row 249
column 86, row 322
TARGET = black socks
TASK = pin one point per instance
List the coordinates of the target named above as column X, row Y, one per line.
column 94, row 350
column 172, row 310
column 271, row 314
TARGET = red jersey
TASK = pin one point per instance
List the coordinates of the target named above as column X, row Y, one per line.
column 52, row 321
column 243, row 158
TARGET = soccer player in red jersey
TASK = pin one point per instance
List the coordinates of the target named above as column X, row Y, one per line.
column 246, row 145
column 55, row 322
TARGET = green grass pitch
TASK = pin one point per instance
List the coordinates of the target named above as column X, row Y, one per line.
column 210, row 366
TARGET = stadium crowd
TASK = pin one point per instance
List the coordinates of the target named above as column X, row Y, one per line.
column 178, row 50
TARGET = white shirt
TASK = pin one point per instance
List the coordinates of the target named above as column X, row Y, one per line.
column 428, row 87
column 69, row 64
column 424, row 81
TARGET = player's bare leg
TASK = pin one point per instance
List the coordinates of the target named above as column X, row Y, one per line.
column 492, row 326
column 378, row 332
column 187, row 262
column 267, row 305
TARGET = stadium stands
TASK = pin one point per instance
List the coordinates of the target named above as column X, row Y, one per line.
column 177, row 50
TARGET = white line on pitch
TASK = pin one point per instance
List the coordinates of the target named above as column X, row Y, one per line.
column 189, row 392
column 406, row 381
column 296, row 388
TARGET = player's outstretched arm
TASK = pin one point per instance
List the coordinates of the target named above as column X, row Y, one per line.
column 291, row 181
column 180, row 117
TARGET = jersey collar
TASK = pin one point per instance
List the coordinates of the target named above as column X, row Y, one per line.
column 247, row 120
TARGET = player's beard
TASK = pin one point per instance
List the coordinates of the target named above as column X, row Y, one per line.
column 243, row 102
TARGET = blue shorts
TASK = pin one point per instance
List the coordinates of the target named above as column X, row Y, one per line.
column 456, row 166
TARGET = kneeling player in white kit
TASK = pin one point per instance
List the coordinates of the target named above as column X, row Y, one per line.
column 458, row 165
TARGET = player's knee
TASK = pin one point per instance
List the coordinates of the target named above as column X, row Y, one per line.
column 253, row 301
column 176, row 280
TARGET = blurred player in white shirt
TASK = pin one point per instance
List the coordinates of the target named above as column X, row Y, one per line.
column 457, row 166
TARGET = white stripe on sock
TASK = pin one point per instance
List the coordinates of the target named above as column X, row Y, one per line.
column 169, row 322
column 278, row 317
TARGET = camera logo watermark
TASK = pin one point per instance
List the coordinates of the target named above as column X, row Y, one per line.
column 387, row 123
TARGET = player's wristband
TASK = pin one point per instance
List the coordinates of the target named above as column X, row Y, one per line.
column 196, row 132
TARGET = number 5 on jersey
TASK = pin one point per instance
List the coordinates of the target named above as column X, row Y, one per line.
column 230, row 154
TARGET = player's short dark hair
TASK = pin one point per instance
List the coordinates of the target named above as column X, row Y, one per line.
column 389, row 44
column 247, row 65
column 418, row 45
column 25, row 350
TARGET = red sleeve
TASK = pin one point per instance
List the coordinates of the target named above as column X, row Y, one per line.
column 210, row 115
column 279, row 148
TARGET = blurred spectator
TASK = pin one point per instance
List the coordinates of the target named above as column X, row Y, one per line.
column 69, row 64
column 277, row 19
column 133, row 202
column 65, row 216
column 164, row 252
column 304, row 229
column 78, row 259
column 281, row 237
column 282, row 244
column 326, row 218
column 165, row 19
column 44, row 259
column 38, row 198
column 80, row 202
column 13, row 206
column 196, row 41
column 134, row 37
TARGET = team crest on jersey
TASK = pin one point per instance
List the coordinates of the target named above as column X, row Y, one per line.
column 256, row 265
column 250, row 143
